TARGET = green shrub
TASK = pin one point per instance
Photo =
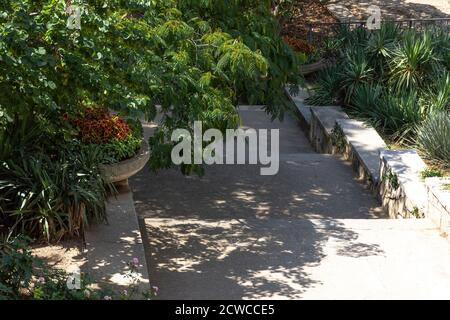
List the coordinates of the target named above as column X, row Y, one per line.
column 390, row 78
column 434, row 136
column 399, row 116
column 379, row 47
column 16, row 267
column 366, row 101
column 23, row 276
column 428, row 173
column 436, row 97
column 118, row 150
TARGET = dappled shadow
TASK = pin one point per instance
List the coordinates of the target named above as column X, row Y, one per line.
column 111, row 246
column 250, row 259
column 65, row 255
column 306, row 186
column 235, row 234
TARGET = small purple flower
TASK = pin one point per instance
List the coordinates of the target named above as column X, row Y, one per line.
column 125, row 292
column 41, row 280
column 155, row 290
column 136, row 261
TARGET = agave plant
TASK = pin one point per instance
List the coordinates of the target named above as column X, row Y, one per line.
column 433, row 137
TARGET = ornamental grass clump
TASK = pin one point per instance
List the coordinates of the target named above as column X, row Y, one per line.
column 433, row 138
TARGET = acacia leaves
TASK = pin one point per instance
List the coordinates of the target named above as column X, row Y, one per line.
column 197, row 60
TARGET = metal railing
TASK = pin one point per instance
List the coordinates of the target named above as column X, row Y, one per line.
column 317, row 32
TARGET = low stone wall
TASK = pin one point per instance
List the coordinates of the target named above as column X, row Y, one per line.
column 303, row 110
column 394, row 175
column 323, row 121
column 110, row 247
column 362, row 147
column 438, row 204
column 401, row 190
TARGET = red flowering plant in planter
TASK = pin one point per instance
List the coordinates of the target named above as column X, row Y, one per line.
column 118, row 139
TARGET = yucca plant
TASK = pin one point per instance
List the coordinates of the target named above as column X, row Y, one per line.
column 355, row 72
column 381, row 42
column 412, row 62
column 436, row 96
column 327, row 87
column 441, row 45
column 49, row 197
column 366, row 101
column 348, row 37
column 399, row 116
column 433, row 138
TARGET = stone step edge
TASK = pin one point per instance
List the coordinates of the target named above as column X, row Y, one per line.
column 111, row 247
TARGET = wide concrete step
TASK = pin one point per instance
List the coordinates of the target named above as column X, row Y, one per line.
column 291, row 140
column 307, row 185
column 291, row 258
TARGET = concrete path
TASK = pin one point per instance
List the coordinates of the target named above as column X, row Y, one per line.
column 390, row 9
column 311, row 231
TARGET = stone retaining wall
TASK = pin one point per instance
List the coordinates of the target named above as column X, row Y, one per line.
column 401, row 190
column 438, row 204
column 395, row 175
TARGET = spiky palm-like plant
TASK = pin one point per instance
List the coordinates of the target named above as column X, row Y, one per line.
column 379, row 46
column 355, row 71
column 412, row 61
column 327, row 87
column 365, row 101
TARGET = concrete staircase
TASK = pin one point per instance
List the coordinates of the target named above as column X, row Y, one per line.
column 310, row 232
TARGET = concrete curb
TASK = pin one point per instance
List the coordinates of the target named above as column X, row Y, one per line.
column 401, row 190
column 363, row 146
column 438, row 204
column 110, row 247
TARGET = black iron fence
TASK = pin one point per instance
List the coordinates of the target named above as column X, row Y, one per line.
column 317, row 32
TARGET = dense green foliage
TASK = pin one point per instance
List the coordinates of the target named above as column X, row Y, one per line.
column 196, row 59
column 394, row 79
column 186, row 60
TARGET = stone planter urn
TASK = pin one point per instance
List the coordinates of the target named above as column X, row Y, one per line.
column 118, row 173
